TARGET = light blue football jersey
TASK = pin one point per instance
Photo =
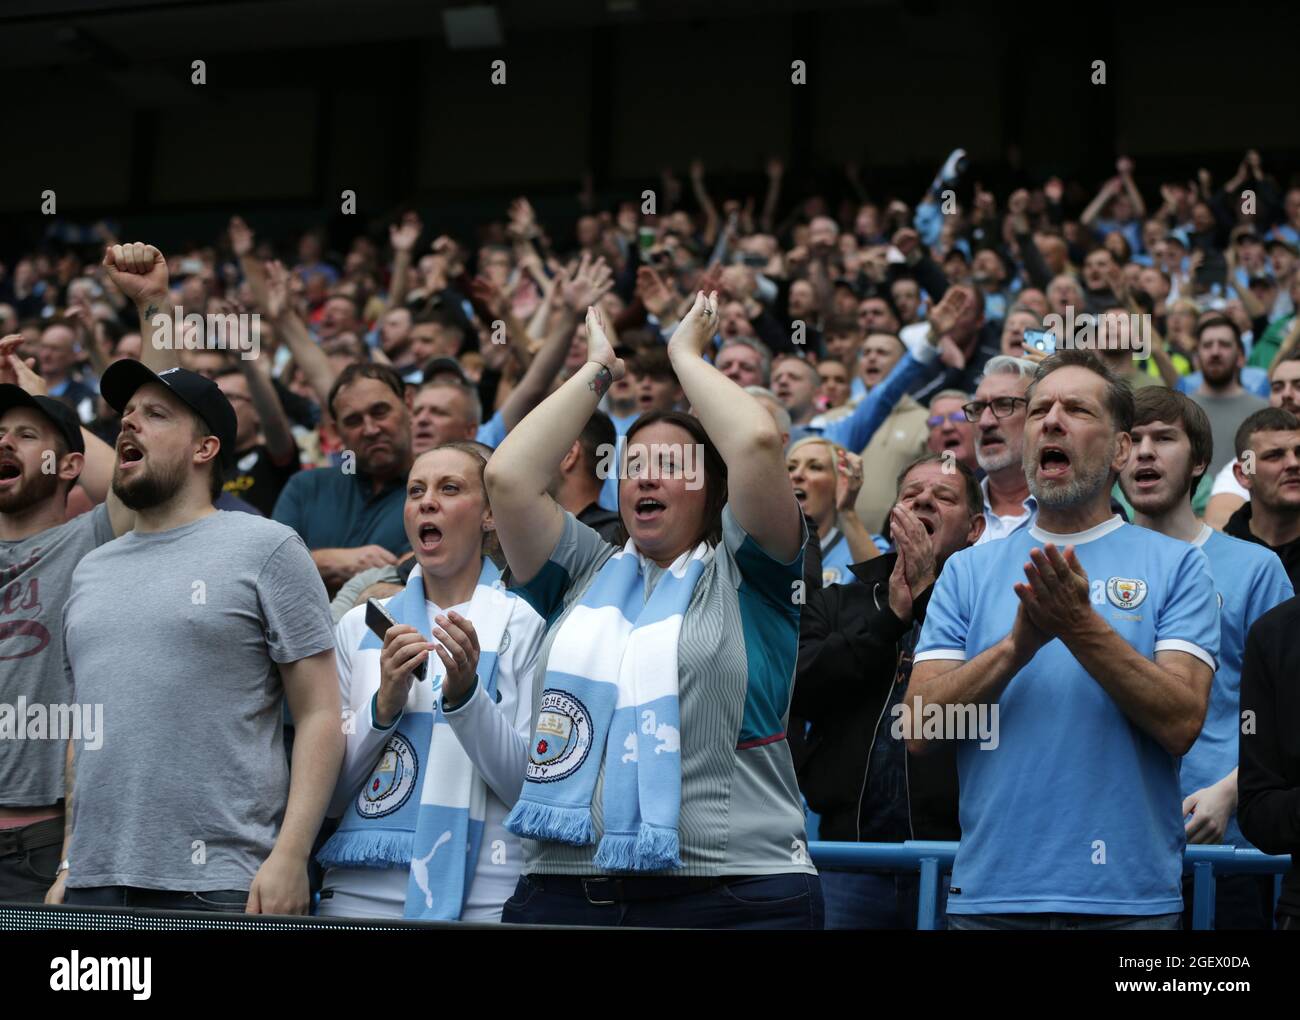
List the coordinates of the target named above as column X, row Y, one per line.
column 1249, row 580
column 1076, row 809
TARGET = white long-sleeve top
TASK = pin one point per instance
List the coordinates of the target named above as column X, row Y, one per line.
column 494, row 736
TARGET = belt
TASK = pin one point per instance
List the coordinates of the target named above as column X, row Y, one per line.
column 599, row 890
column 47, row 832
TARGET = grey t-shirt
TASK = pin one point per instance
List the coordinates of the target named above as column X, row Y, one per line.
column 35, row 575
column 177, row 634
column 1226, row 415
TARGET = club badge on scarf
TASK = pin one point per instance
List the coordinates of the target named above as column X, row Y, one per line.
column 436, row 833
column 611, row 684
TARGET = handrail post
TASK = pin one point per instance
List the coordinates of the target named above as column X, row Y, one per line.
column 927, row 900
column 1202, row 896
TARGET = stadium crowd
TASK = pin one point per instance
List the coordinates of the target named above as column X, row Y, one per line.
column 960, row 516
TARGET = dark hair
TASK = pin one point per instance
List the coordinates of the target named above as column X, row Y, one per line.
column 1157, row 403
column 1119, row 395
column 654, row 362
column 843, row 325
column 1220, row 320
column 217, row 476
column 599, row 431
column 1292, row 355
column 887, row 298
column 366, row 370
column 715, row 473
column 970, row 485
column 1266, row 419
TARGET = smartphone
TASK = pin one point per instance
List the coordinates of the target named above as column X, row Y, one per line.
column 379, row 619
column 1040, row 340
column 645, row 237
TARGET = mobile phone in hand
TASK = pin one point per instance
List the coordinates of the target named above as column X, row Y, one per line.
column 1040, row 340
column 379, row 619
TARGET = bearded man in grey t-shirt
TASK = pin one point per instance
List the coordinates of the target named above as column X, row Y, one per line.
column 192, row 631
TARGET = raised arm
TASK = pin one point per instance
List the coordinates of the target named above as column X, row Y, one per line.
column 139, row 271
column 306, row 352
column 758, row 484
column 528, row 520
column 579, row 291
column 275, row 423
column 403, row 238
column 711, row 220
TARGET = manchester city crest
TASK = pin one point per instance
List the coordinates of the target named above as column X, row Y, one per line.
column 1125, row 592
column 390, row 785
column 562, row 738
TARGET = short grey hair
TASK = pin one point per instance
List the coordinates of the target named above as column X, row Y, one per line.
column 961, row 395
column 758, row 346
column 472, row 399
column 1004, row 364
column 779, row 413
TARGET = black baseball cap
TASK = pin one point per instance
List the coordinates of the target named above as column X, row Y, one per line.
column 64, row 418
column 199, row 393
column 444, row 366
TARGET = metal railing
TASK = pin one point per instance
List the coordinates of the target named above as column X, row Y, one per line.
column 932, row 860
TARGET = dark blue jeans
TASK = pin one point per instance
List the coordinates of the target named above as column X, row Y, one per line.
column 874, row 900
column 759, row 901
column 224, row 901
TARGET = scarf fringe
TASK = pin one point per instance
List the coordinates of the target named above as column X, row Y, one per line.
column 360, row 848
column 657, row 848
column 618, row 852
column 531, row 820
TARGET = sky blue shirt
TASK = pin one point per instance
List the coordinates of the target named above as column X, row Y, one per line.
column 608, row 497
column 493, row 431
column 1250, row 581
column 1077, row 809
column 854, row 431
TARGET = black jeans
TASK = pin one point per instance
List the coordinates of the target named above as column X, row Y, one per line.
column 1241, row 902
column 756, row 901
column 224, row 901
column 27, row 873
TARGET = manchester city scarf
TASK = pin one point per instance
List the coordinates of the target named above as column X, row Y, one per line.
column 611, row 684
column 437, row 833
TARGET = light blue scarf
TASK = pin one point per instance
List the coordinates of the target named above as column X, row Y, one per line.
column 437, row 833
column 611, row 684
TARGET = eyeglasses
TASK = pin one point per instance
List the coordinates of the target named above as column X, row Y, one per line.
column 935, row 420
column 1003, row 407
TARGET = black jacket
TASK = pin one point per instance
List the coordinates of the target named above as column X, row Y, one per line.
column 851, row 649
column 604, row 522
column 1238, row 526
column 1268, row 780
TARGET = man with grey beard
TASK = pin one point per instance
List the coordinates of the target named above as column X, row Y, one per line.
column 998, row 412
column 1095, row 643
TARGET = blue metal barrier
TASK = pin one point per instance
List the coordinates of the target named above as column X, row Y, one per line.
column 934, row 860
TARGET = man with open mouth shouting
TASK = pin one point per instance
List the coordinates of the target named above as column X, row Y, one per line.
column 193, row 630
column 1098, row 642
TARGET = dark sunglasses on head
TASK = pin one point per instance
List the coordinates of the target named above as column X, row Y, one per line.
column 1003, row 407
